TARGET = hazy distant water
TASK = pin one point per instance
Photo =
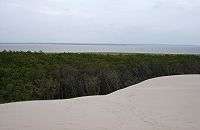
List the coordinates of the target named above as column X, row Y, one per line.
column 122, row 48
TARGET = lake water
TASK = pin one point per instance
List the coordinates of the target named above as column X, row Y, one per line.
column 119, row 48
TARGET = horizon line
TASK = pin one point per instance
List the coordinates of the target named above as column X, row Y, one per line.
column 101, row 44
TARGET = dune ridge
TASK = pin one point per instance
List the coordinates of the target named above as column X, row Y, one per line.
column 163, row 103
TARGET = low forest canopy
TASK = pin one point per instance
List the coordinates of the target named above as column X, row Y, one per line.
column 42, row 76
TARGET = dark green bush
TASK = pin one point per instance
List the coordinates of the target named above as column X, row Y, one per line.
column 37, row 76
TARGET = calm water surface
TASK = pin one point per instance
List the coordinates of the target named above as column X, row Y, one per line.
column 121, row 48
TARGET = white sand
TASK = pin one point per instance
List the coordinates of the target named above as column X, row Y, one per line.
column 165, row 103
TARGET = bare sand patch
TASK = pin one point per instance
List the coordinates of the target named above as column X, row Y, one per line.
column 164, row 103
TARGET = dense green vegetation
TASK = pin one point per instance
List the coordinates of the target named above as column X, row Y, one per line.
column 36, row 76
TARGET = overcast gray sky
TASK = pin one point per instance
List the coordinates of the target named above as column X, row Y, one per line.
column 100, row 21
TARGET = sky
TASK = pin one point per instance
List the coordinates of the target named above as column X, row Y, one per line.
column 100, row 21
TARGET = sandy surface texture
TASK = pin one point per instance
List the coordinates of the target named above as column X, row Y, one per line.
column 164, row 103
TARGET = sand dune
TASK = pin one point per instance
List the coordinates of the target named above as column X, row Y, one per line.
column 164, row 103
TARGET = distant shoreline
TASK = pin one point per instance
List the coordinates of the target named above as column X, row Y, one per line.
column 101, row 53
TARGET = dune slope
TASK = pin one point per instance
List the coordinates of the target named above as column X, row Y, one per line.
column 164, row 103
